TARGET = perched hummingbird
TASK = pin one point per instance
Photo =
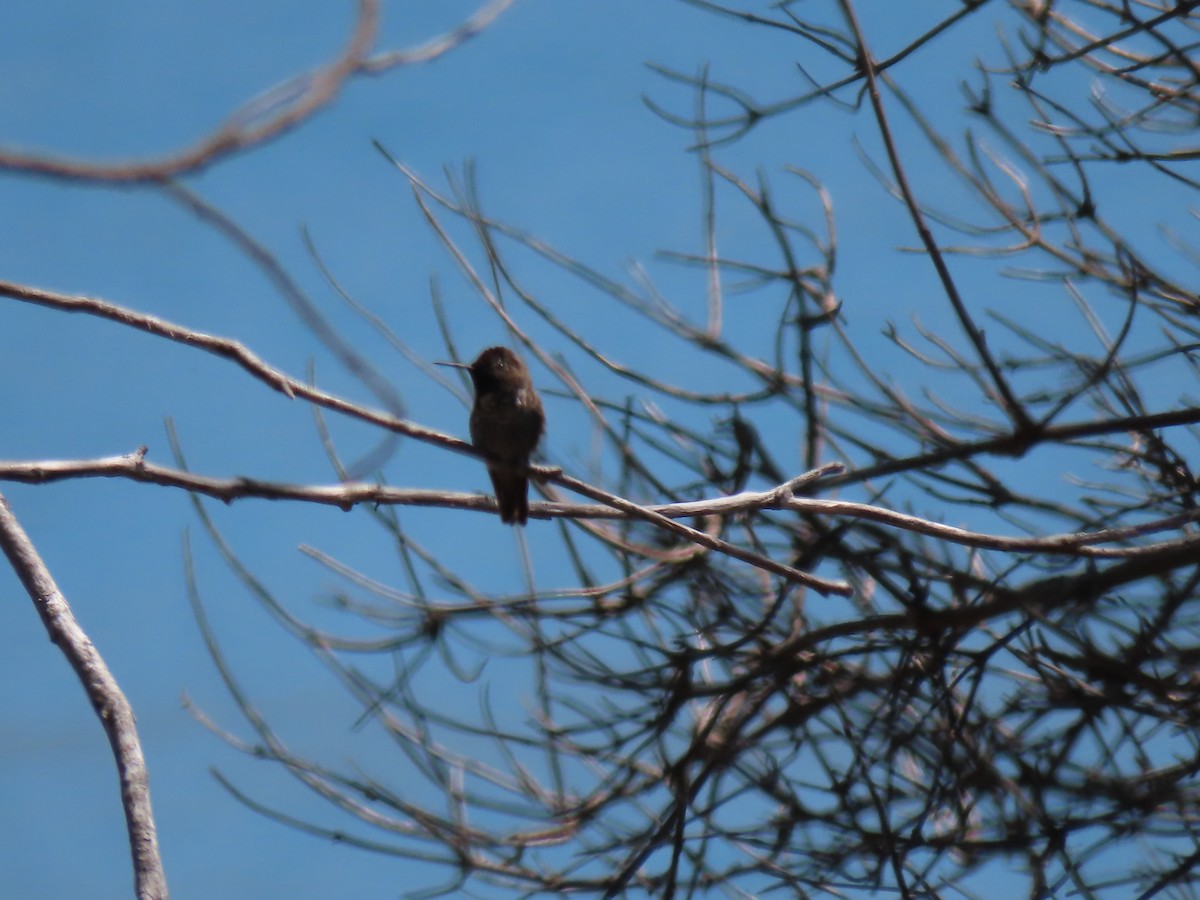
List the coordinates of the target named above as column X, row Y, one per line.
column 506, row 424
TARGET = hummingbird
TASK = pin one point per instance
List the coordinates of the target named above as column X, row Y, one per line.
column 506, row 424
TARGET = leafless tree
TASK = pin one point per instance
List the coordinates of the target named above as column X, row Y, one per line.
column 767, row 662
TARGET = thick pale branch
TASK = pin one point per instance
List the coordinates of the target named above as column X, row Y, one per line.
column 110, row 704
column 133, row 466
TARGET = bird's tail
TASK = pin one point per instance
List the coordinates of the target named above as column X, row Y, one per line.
column 512, row 496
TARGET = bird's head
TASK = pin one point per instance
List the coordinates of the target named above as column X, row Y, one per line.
column 495, row 369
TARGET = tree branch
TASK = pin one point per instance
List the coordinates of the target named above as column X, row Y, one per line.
column 110, row 704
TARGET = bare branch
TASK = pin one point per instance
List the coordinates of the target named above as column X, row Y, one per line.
column 103, row 692
column 271, row 115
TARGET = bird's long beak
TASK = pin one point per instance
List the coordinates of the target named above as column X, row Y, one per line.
column 452, row 365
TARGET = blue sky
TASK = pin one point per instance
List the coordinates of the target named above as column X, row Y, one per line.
column 548, row 105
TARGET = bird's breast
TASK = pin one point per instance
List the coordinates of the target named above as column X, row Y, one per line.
column 508, row 427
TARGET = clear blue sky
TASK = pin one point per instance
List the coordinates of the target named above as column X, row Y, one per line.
column 548, row 104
